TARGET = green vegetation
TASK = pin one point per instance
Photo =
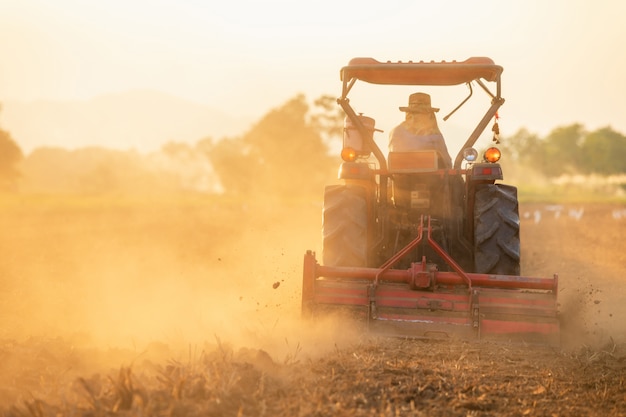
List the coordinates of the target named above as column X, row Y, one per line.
column 569, row 150
column 570, row 164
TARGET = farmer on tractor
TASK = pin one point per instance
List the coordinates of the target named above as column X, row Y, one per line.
column 419, row 130
column 416, row 246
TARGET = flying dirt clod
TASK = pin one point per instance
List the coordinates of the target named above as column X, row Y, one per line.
column 418, row 245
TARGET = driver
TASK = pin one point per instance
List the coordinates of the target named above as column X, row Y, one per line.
column 419, row 131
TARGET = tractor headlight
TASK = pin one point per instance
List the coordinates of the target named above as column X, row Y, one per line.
column 470, row 154
column 492, row 155
column 348, row 154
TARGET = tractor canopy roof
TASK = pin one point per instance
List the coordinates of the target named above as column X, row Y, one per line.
column 421, row 73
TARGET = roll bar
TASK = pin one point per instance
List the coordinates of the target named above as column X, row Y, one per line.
column 433, row 73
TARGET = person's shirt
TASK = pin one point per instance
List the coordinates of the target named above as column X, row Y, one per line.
column 402, row 140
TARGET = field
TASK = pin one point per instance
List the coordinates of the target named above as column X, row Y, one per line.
column 190, row 306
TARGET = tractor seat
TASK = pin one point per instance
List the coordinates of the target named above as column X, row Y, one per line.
column 413, row 161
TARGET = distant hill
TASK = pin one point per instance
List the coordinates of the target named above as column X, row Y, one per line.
column 142, row 120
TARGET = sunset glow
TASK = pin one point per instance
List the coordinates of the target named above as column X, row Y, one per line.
column 245, row 57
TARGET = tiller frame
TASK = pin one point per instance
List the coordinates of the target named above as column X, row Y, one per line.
column 423, row 302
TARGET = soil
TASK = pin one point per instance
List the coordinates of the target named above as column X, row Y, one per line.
column 190, row 307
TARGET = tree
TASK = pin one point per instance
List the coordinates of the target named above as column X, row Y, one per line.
column 560, row 150
column 522, row 147
column 604, row 151
column 232, row 163
column 291, row 154
column 283, row 154
column 328, row 118
column 521, row 155
column 10, row 156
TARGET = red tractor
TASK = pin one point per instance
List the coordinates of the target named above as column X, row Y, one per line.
column 416, row 245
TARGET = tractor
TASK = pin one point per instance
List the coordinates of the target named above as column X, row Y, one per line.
column 420, row 246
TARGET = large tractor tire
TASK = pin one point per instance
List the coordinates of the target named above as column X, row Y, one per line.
column 344, row 227
column 496, row 230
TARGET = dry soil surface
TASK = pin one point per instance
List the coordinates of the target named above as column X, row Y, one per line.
column 191, row 307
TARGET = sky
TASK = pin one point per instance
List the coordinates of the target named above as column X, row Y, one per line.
column 563, row 59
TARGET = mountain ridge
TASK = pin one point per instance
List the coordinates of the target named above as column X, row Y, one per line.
column 142, row 120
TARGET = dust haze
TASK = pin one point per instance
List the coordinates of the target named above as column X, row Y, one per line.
column 90, row 284
column 124, row 274
column 581, row 243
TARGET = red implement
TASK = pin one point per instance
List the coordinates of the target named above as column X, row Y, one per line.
column 423, row 302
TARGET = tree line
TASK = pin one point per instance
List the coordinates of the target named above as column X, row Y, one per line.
column 285, row 153
column 569, row 150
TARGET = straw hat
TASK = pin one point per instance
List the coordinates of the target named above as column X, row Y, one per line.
column 419, row 103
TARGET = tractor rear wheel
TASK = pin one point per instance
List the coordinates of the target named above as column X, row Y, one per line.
column 496, row 230
column 344, row 227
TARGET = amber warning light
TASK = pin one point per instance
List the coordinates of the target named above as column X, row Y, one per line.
column 348, row 154
column 492, row 155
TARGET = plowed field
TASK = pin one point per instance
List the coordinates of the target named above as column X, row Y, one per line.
column 190, row 307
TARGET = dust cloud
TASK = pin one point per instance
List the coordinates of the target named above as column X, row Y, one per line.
column 92, row 283
column 96, row 283
column 582, row 244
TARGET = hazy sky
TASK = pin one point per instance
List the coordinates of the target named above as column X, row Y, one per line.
column 563, row 60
